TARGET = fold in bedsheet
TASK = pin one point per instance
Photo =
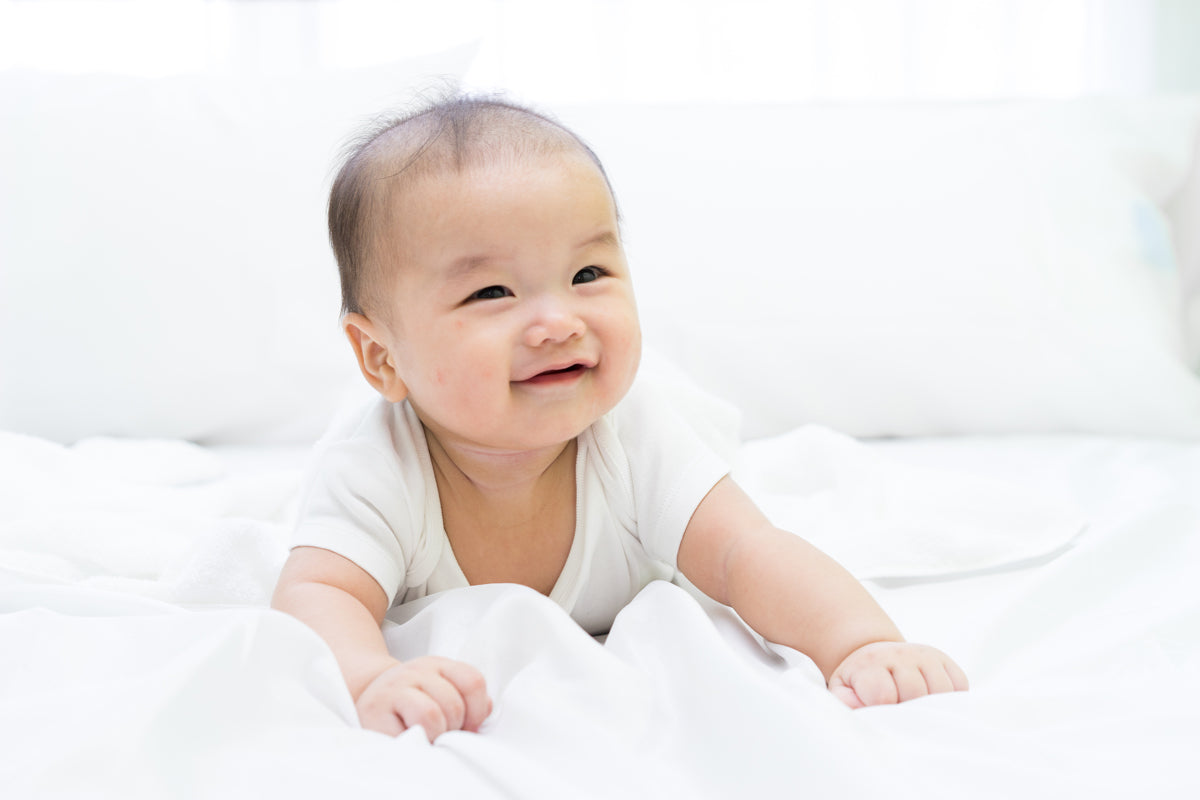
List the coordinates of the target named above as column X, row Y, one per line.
column 140, row 699
column 138, row 659
column 150, row 702
column 162, row 519
column 882, row 518
column 170, row 520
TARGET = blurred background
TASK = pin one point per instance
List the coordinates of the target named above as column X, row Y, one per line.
column 645, row 50
column 164, row 168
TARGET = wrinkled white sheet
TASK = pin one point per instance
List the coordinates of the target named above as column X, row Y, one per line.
column 139, row 659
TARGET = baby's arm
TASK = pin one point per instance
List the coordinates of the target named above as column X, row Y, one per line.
column 345, row 606
column 793, row 594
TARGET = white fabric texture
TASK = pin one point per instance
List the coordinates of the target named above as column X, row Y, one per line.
column 884, row 519
column 139, row 660
column 640, row 472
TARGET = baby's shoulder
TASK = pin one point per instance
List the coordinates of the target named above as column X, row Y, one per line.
column 663, row 406
column 373, row 422
column 370, row 441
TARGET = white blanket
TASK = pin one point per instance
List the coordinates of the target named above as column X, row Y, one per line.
column 883, row 519
column 139, row 659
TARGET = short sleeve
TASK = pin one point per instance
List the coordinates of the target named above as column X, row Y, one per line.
column 355, row 504
column 671, row 468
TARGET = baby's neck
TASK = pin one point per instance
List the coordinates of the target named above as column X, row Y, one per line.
column 509, row 519
column 500, row 478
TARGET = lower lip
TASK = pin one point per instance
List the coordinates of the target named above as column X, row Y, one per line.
column 555, row 378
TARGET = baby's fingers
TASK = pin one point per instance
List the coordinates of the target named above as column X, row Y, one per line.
column 910, row 682
column 417, row 707
column 958, row 678
column 892, row 672
column 436, row 693
column 864, row 687
column 946, row 676
column 393, row 708
column 846, row 694
column 374, row 714
column 937, row 679
column 471, row 688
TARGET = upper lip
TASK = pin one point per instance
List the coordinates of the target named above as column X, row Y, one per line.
column 557, row 366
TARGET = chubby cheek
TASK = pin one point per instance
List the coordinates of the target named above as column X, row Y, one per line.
column 466, row 370
column 625, row 339
column 487, row 374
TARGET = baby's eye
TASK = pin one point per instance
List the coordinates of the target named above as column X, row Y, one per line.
column 589, row 274
column 490, row 293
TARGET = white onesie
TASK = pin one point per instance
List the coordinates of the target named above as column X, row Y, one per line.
column 640, row 473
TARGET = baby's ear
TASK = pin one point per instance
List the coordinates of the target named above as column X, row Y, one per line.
column 374, row 358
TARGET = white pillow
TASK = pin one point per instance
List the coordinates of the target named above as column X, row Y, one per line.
column 913, row 270
column 165, row 265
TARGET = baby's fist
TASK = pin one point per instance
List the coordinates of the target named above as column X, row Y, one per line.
column 892, row 672
column 436, row 693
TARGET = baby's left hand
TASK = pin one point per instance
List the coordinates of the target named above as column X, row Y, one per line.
column 892, row 672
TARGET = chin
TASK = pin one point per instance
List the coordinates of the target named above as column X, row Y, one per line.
column 547, row 433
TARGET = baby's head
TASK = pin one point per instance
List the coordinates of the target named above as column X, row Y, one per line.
column 446, row 136
column 483, row 277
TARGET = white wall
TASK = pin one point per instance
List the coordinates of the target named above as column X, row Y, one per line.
column 647, row 50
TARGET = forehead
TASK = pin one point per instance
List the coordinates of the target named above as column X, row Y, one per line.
column 468, row 225
column 567, row 186
column 566, row 171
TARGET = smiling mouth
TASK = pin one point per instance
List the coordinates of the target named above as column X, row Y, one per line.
column 556, row 375
column 572, row 368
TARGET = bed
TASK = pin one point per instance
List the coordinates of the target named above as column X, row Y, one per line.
column 955, row 345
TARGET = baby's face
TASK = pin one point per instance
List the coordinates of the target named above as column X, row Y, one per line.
column 513, row 318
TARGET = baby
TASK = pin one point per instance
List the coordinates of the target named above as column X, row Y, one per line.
column 488, row 301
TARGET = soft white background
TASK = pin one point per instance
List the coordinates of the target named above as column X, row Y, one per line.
column 647, row 50
column 164, row 269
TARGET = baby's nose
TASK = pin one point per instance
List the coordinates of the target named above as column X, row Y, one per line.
column 553, row 321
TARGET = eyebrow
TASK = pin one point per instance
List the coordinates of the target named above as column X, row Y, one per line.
column 605, row 237
column 463, row 267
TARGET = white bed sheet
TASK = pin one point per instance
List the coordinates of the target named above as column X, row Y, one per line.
column 139, row 659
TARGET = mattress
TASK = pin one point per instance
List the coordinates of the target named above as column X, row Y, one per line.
column 141, row 659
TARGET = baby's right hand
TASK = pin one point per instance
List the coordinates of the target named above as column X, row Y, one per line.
column 438, row 694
